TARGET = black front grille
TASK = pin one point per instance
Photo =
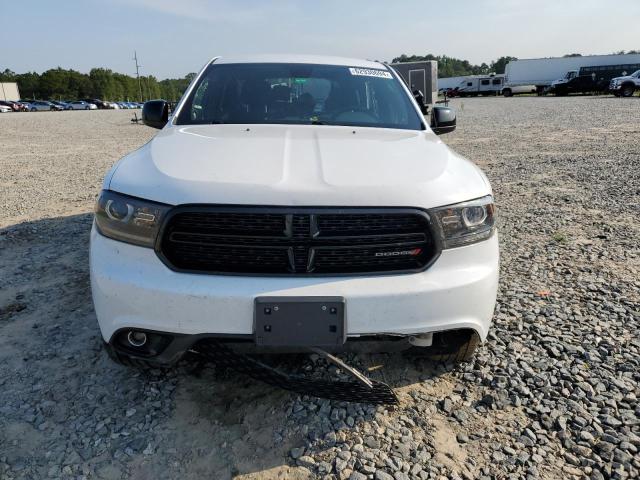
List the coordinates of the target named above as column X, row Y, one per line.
column 287, row 241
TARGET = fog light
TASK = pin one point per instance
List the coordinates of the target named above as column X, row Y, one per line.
column 136, row 339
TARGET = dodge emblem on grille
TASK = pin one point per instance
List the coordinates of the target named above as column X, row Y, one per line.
column 397, row 253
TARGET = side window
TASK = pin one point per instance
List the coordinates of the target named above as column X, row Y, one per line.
column 469, row 84
column 497, row 81
column 484, row 82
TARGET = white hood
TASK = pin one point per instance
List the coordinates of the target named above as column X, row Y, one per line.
column 297, row 165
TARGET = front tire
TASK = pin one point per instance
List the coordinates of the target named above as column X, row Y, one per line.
column 452, row 347
column 627, row 90
column 507, row 92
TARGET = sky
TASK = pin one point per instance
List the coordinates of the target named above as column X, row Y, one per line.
column 175, row 37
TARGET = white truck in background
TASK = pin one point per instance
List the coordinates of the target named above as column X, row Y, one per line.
column 625, row 86
column 538, row 74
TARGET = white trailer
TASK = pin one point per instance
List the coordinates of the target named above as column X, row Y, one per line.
column 474, row 85
column 541, row 72
column 449, row 83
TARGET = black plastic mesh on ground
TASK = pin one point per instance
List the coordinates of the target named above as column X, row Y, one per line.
column 221, row 355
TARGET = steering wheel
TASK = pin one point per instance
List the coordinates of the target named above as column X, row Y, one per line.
column 354, row 114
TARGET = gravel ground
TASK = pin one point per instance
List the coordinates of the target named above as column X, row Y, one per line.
column 552, row 394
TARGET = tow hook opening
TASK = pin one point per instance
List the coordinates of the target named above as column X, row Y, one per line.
column 423, row 340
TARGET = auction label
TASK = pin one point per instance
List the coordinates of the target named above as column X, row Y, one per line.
column 368, row 72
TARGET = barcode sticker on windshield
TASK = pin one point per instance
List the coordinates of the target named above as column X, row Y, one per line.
column 368, row 72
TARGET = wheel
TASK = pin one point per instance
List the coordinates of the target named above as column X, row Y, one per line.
column 507, row 92
column 627, row 90
column 87, row 107
column 452, row 347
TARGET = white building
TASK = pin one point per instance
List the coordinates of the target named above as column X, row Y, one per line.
column 9, row 91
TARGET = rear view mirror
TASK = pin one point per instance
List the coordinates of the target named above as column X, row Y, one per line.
column 155, row 113
column 443, row 120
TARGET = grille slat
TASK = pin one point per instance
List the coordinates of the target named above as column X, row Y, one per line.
column 291, row 242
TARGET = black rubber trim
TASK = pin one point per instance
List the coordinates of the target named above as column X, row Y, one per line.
column 222, row 356
column 175, row 350
column 434, row 231
column 214, row 350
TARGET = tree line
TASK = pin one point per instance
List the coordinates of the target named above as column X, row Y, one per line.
column 101, row 83
column 454, row 67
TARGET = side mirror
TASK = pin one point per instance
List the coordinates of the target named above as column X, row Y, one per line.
column 443, row 120
column 155, row 113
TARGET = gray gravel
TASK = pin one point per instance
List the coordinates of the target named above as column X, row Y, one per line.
column 552, row 394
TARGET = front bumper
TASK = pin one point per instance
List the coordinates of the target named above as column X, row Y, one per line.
column 133, row 289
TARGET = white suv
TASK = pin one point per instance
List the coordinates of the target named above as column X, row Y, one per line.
column 292, row 202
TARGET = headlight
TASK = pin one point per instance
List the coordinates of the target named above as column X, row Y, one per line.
column 129, row 219
column 466, row 223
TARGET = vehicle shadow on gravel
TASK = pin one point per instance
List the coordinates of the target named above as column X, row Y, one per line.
column 66, row 409
column 250, row 428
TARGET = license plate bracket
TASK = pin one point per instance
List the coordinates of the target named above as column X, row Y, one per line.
column 299, row 321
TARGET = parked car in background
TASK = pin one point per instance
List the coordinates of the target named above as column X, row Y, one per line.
column 511, row 90
column 625, row 86
column 26, row 105
column 14, row 106
column 44, row 106
column 5, row 109
column 81, row 105
column 21, row 107
column 101, row 104
column 61, row 105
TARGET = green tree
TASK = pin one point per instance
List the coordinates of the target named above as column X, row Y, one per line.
column 7, row 76
column 454, row 67
column 499, row 65
column 29, row 84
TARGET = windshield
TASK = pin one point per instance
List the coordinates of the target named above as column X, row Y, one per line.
column 284, row 93
column 636, row 74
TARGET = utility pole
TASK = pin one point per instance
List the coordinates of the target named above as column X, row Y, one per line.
column 135, row 57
